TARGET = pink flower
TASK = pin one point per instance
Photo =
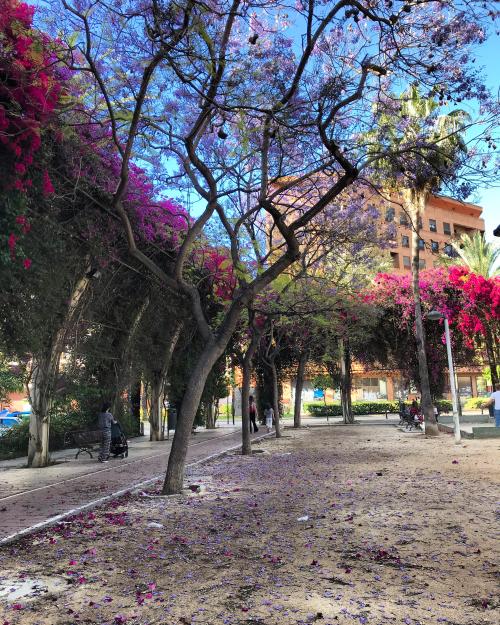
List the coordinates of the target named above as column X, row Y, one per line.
column 27, row 263
column 47, row 187
column 12, row 244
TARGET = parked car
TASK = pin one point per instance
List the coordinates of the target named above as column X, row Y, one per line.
column 8, row 421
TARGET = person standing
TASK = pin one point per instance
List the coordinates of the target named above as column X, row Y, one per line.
column 495, row 401
column 105, row 420
column 269, row 416
column 252, row 411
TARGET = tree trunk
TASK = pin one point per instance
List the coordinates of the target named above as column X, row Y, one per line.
column 121, row 369
column 210, row 420
column 276, row 398
column 246, row 445
column 299, row 385
column 40, row 394
column 43, row 380
column 415, row 201
column 157, row 432
column 155, row 409
column 135, row 404
column 174, row 477
column 345, row 381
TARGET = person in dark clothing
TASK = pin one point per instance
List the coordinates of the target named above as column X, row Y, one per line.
column 252, row 410
column 105, row 421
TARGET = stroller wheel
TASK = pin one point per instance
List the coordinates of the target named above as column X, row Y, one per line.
column 122, row 456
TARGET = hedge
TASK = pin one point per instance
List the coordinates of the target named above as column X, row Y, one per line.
column 318, row 409
column 475, row 402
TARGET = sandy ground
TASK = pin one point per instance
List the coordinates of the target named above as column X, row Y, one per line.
column 328, row 525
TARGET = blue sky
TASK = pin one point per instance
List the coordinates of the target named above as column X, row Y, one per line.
column 489, row 56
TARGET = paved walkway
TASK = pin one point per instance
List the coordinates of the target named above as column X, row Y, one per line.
column 31, row 496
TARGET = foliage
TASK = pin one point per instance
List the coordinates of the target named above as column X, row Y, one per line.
column 478, row 255
column 393, row 342
column 473, row 403
column 11, row 379
column 334, row 409
column 31, row 87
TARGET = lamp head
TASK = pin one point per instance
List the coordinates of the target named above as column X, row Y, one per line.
column 435, row 315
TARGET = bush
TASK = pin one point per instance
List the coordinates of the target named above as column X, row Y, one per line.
column 474, row 403
column 444, row 405
column 379, row 406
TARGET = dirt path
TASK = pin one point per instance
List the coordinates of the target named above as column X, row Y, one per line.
column 329, row 525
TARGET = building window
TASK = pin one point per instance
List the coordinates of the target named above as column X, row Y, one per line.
column 446, row 228
column 403, row 219
column 395, row 259
column 435, row 247
column 373, row 388
column 464, row 384
column 432, row 225
column 389, row 214
column 406, row 262
column 449, row 251
column 421, row 263
column 421, row 244
column 419, row 222
column 405, row 241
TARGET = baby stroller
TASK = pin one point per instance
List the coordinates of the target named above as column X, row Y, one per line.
column 119, row 446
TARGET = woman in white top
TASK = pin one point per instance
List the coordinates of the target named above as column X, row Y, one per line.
column 269, row 415
column 495, row 400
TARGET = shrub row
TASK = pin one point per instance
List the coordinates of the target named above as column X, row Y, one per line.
column 318, row 409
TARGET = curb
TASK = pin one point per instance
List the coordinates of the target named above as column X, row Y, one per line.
column 97, row 502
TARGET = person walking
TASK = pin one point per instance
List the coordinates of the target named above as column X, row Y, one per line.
column 252, row 411
column 494, row 400
column 105, row 420
column 269, row 416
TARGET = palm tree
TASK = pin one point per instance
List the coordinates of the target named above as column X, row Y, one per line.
column 422, row 151
column 477, row 254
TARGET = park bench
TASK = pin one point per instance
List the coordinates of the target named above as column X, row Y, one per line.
column 85, row 440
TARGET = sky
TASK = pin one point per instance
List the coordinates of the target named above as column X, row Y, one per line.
column 489, row 56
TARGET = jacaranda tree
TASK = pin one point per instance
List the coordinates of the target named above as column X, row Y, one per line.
column 226, row 96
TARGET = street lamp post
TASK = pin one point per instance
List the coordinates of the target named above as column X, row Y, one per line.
column 434, row 315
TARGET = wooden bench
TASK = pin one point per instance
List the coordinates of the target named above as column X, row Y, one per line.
column 85, row 440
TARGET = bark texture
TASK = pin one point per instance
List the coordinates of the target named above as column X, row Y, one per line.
column 158, row 386
column 346, row 380
column 299, row 385
column 415, row 203
column 44, row 370
column 276, row 398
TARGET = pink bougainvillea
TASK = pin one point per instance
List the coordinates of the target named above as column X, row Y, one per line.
column 29, row 90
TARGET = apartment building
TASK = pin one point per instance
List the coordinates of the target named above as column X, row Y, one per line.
column 444, row 219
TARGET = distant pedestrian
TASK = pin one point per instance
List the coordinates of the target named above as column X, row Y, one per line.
column 105, row 420
column 495, row 401
column 252, row 411
column 436, row 413
column 269, row 416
